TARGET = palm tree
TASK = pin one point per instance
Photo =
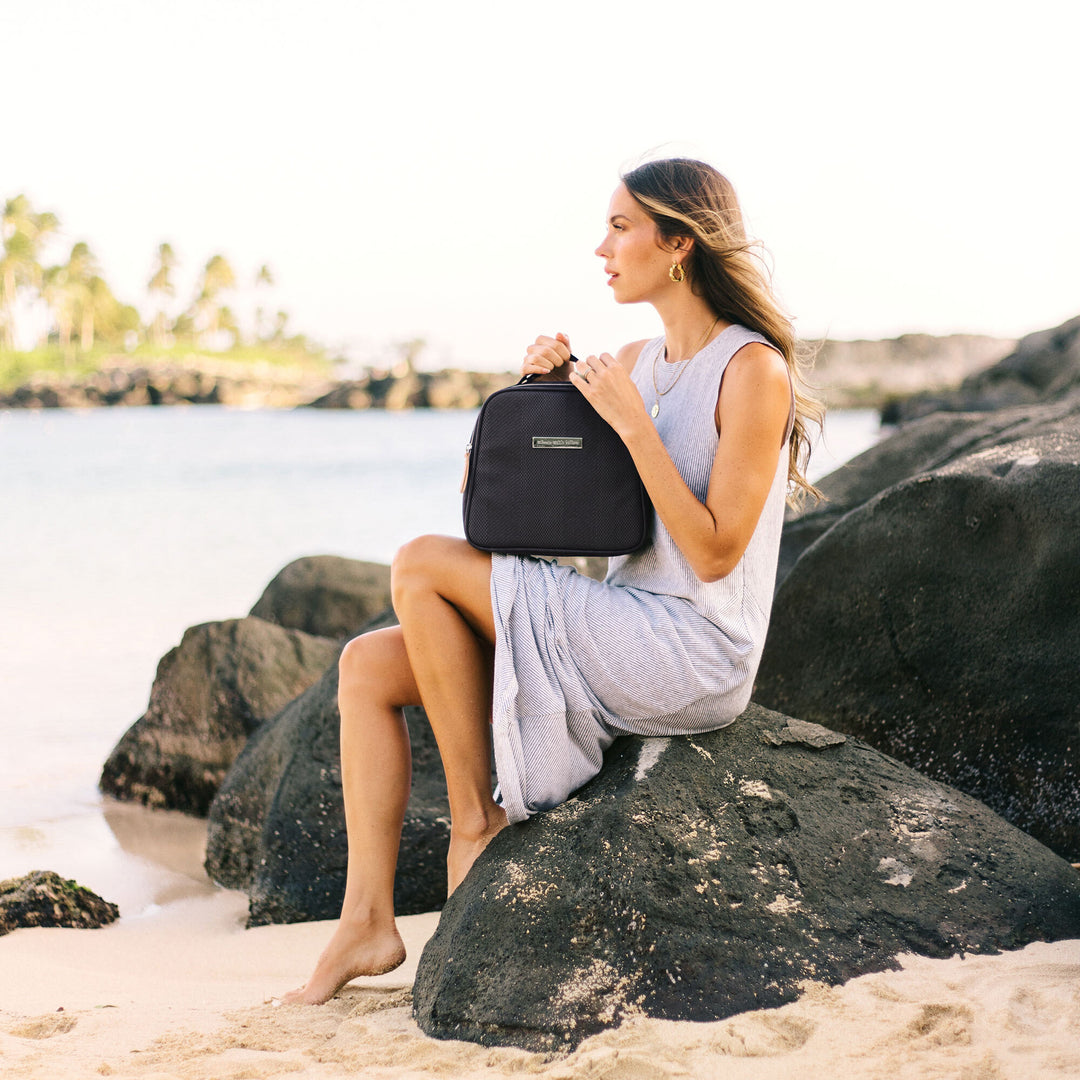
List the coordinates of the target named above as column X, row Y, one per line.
column 227, row 324
column 264, row 279
column 61, row 301
column 81, row 279
column 104, row 316
column 281, row 321
column 23, row 232
column 217, row 277
column 161, row 286
column 69, row 291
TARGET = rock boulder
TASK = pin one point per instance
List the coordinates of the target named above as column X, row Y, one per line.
column 326, row 595
column 939, row 618
column 210, row 693
column 43, row 898
column 698, row 877
column 917, row 447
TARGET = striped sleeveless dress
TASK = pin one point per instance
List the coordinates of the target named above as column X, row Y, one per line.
column 651, row 649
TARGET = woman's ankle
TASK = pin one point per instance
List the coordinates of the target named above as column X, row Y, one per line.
column 478, row 823
column 363, row 913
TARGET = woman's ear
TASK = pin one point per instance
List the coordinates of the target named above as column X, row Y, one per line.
column 682, row 243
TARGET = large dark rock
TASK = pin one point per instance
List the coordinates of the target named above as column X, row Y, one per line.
column 325, row 595
column 940, row 618
column 277, row 825
column 699, row 877
column 210, row 693
column 44, row 898
column 918, row 447
column 1045, row 366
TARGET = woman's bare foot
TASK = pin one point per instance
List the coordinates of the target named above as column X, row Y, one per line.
column 465, row 850
column 357, row 948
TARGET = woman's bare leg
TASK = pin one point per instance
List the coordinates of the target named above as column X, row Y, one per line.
column 442, row 656
column 442, row 596
column 375, row 681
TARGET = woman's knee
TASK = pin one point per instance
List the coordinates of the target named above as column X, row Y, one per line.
column 369, row 662
column 356, row 662
column 416, row 566
column 375, row 667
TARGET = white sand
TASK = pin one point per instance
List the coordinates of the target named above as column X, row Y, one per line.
column 180, row 994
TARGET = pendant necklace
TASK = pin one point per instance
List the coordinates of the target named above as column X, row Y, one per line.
column 683, row 365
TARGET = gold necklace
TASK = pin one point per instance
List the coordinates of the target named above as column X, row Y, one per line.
column 684, row 364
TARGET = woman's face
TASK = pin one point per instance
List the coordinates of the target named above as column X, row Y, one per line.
column 634, row 258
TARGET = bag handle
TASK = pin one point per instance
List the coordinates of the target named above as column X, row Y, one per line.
column 533, row 375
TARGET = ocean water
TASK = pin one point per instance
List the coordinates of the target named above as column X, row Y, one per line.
column 119, row 528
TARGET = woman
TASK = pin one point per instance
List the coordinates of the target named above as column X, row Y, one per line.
column 550, row 665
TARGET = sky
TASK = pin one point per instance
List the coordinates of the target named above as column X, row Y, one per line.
column 415, row 169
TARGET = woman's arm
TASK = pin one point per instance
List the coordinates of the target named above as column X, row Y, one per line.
column 752, row 414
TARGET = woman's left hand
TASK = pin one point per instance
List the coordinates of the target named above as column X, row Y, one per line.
column 608, row 388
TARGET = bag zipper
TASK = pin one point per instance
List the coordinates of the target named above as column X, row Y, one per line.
column 465, row 474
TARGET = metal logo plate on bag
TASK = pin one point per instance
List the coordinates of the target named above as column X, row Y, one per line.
column 552, row 442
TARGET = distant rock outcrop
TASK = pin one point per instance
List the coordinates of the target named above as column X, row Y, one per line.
column 326, row 595
column 449, row 389
column 933, row 609
column 211, row 692
column 699, row 877
column 1045, row 366
column 868, row 374
column 277, row 825
column 43, row 898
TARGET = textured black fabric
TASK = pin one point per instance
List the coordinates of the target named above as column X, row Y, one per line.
column 547, row 475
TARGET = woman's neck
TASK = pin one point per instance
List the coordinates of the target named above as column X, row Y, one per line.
column 689, row 325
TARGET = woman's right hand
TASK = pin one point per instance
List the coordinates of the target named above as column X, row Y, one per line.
column 549, row 358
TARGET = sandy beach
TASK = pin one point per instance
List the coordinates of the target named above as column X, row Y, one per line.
column 184, row 991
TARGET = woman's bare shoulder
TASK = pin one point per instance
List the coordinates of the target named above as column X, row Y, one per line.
column 756, row 387
column 628, row 354
column 759, row 368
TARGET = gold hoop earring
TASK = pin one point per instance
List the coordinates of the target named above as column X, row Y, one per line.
column 676, row 272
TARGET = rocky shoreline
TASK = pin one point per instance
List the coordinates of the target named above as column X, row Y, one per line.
column 849, row 374
column 193, row 380
column 202, row 380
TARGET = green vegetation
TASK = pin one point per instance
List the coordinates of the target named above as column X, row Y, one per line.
column 16, row 368
column 81, row 325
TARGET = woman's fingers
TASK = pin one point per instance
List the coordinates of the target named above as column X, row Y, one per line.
column 547, row 355
column 595, row 366
column 609, row 389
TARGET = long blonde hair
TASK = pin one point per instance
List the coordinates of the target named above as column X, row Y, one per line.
column 688, row 198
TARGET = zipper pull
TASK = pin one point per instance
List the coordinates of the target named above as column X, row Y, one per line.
column 465, row 474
